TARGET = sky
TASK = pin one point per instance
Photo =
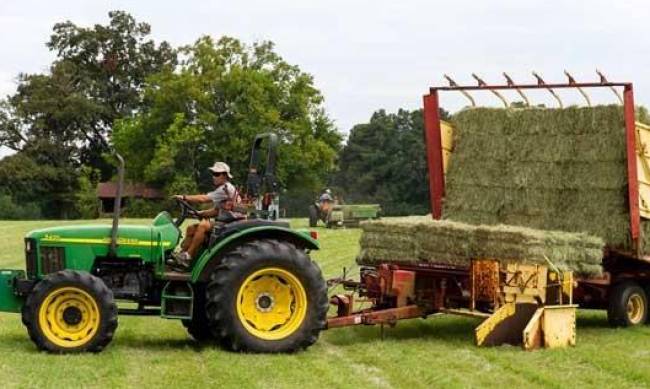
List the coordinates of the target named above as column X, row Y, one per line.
column 369, row 55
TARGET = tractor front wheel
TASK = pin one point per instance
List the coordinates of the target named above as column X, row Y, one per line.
column 70, row 311
column 267, row 296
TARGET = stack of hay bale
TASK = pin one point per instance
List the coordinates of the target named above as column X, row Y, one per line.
column 546, row 169
column 420, row 239
column 552, row 169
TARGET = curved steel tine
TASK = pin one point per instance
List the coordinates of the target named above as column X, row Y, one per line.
column 572, row 81
column 521, row 93
column 453, row 84
column 603, row 80
column 540, row 81
column 482, row 83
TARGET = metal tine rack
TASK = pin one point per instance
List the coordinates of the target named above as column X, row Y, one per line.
column 541, row 84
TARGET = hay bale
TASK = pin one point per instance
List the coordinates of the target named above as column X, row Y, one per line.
column 564, row 169
column 419, row 239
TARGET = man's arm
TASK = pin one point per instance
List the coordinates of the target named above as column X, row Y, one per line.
column 214, row 212
column 196, row 199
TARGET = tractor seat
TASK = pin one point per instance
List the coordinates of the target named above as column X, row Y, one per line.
column 221, row 231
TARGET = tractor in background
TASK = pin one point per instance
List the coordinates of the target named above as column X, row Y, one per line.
column 332, row 213
column 253, row 287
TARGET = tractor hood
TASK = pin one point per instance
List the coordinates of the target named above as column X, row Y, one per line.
column 94, row 234
column 144, row 241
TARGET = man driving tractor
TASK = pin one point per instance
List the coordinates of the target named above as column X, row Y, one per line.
column 223, row 199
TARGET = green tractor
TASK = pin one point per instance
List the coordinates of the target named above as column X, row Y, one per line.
column 252, row 288
column 335, row 215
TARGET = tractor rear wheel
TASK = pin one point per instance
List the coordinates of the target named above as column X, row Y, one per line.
column 628, row 305
column 313, row 215
column 70, row 311
column 267, row 296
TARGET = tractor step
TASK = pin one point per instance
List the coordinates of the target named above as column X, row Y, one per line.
column 177, row 300
column 176, row 276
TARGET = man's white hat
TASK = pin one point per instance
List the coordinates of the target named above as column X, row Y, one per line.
column 221, row 167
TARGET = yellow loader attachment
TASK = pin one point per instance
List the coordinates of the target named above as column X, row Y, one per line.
column 534, row 309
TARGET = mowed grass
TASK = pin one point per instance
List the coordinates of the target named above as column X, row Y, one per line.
column 437, row 352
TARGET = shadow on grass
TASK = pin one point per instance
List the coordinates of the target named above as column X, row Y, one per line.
column 16, row 343
column 592, row 319
column 139, row 343
column 448, row 329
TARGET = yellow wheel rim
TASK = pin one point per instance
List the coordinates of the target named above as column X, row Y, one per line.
column 69, row 317
column 271, row 304
column 635, row 308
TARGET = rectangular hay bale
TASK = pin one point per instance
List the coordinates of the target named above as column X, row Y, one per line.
column 565, row 170
column 423, row 239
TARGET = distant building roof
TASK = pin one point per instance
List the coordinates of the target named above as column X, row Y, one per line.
column 107, row 190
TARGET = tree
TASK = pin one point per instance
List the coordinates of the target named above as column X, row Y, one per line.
column 61, row 120
column 384, row 161
column 211, row 107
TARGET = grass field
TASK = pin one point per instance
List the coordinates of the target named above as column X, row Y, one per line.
column 437, row 352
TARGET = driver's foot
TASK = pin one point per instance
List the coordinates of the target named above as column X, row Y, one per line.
column 181, row 260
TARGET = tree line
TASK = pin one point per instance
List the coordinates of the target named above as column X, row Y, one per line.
column 173, row 111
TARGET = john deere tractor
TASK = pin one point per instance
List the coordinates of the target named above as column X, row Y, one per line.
column 252, row 288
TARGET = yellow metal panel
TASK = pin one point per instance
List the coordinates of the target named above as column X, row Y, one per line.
column 447, row 139
column 484, row 329
column 525, row 282
column 445, row 159
column 643, row 167
column 559, row 325
column 447, row 134
column 533, row 335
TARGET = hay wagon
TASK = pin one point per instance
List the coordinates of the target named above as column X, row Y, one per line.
column 529, row 304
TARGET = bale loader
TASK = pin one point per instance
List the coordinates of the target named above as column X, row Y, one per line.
column 530, row 305
column 252, row 288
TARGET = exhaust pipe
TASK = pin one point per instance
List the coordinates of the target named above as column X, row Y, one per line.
column 112, row 250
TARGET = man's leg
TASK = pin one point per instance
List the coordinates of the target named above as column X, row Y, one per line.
column 199, row 237
column 189, row 235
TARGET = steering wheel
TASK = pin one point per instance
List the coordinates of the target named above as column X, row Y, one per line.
column 186, row 210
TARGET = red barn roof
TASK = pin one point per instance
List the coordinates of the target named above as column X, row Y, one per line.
column 107, row 190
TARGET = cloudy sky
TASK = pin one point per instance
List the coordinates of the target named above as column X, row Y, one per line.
column 367, row 55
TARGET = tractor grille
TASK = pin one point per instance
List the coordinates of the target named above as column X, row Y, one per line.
column 52, row 259
column 30, row 257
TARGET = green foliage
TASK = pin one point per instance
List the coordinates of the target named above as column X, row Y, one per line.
column 86, row 203
column 212, row 106
column 59, row 121
column 30, row 179
column 384, row 161
column 145, row 208
column 9, row 210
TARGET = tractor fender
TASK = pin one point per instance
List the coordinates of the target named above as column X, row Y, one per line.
column 210, row 258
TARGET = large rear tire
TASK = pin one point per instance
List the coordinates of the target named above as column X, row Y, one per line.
column 198, row 326
column 628, row 305
column 267, row 296
column 70, row 311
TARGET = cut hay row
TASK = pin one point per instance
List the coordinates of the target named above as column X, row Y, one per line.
column 421, row 239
